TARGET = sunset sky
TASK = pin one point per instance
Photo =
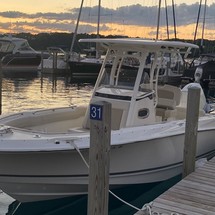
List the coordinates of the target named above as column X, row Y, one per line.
column 131, row 18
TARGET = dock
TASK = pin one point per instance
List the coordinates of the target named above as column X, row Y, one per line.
column 193, row 195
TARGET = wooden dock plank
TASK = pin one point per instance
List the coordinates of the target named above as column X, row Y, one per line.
column 160, row 209
column 197, row 185
column 190, row 191
column 207, row 166
column 194, row 195
column 202, row 179
column 194, row 201
column 206, row 173
column 164, row 208
column 171, row 206
column 210, row 174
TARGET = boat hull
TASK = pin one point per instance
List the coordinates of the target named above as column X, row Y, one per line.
column 81, row 71
column 43, row 175
column 21, row 62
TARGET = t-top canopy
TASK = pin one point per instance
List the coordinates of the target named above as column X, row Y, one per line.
column 142, row 43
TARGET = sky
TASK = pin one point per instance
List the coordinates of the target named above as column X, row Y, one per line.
column 130, row 18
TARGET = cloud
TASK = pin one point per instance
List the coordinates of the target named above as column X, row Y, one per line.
column 136, row 15
column 12, row 14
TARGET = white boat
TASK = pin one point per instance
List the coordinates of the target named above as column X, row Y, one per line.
column 40, row 150
column 56, row 63
column 17, row 55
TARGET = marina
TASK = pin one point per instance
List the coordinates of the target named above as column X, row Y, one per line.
column 54, row 132
column 96, row 120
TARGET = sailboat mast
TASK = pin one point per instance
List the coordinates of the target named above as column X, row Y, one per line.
column 167, row 22
column 98, row 28
column 173, row 10
column 98, row 23
column 76, row 27
column 158, row 21
column 197, row 22
column 203, row 25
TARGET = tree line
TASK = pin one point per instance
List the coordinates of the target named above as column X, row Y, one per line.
column 42, row 41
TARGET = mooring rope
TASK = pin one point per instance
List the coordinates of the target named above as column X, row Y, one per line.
column 145, row 210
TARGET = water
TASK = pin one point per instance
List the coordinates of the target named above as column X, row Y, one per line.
column 20, row 93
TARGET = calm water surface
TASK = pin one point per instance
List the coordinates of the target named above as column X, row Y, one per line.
column 31, row 92
column 23, row 93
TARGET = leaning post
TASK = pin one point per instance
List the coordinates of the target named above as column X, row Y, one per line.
column 191, row 130
column 99, row 156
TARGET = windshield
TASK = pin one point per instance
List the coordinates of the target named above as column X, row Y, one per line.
column 6, row 46
column 25, row 47
column 120, row 73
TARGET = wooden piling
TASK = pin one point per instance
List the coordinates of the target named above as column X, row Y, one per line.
column 99, row 155
column 191, row 130
column 54, row 65
column 41, row 62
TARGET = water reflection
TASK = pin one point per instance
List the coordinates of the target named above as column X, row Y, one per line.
column 26, row 92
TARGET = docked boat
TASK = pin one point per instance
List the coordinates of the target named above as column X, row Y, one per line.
column 202, row 59
column 85, row 69
column 203, row 67
column 56, row 63
column 43, row 153
column 17, row 55
column 88, row 68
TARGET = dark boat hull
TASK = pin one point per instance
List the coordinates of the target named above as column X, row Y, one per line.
column 84, row 71
column 21, row 62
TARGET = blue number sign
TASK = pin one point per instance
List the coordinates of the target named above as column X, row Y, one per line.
column 96, row 112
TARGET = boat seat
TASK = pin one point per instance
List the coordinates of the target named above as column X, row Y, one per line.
column 182, row 107
column 168, row 98
column 166, row 103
